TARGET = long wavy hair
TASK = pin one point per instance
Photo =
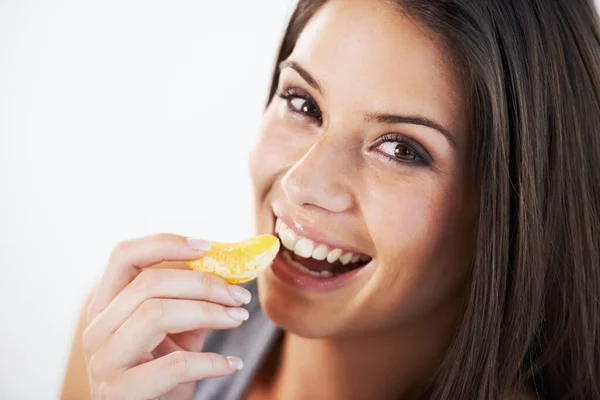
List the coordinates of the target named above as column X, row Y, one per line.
column 532, row 75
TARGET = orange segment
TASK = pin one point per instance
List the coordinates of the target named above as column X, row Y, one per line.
column 238, row 262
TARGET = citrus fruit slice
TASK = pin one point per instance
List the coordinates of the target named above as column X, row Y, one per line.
column 238, row 262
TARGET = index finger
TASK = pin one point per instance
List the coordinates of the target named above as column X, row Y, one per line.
column 130, row 257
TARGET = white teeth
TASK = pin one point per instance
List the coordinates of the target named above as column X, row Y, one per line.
column 297, row 265
column 345, row 259
column 300, row 267
column 288, row 238
column 304, row 247
column 334, row 255
column 307, row 248
column 320, row 252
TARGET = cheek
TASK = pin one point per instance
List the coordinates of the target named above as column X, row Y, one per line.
column 422, row 246
column 267, row 157
column 277, row 148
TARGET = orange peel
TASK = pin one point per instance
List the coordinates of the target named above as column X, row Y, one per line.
column 238, row 262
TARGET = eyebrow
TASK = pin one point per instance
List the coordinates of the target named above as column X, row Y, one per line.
column 410, row 119
column 303, row 73
column 374, row 117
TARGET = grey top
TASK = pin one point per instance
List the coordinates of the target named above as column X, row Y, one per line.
column 251, row 342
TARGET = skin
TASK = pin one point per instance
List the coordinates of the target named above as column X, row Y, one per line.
column 145, row 327
column 397, row 317
column 384, row 334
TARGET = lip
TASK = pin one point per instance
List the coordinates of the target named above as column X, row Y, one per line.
column 299, row 280
column 305, row 230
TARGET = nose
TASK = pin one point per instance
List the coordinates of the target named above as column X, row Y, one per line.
column 321, row 178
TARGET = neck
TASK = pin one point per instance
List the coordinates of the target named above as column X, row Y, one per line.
column 392, row 364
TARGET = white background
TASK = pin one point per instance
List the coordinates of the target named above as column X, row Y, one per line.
column 117, row 119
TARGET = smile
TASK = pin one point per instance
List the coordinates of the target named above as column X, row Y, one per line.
column 316, row 259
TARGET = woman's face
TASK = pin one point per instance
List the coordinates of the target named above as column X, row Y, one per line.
column 365, row 149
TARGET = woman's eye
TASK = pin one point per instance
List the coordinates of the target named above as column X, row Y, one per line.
column 305, row 106
column 302, row 104
column 403, row 149
column 398, row 150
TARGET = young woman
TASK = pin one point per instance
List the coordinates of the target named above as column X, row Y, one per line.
column 432, row 170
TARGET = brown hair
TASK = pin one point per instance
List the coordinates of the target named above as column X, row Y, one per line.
column 532, row 71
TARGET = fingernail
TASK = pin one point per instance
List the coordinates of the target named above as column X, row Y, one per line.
column 198, row 244
column 241, row 314
column 235, row 363
column 240, row 294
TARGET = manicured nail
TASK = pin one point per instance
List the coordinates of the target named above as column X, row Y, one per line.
column 240, row 294
column 241, row 314
column 235, row 363
column 198, row 244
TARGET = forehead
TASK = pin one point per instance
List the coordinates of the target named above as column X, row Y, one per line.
column 371, row 54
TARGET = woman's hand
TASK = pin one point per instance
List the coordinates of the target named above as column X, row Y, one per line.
column 147, row 326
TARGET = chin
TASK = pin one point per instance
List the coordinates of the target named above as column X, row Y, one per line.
column 294, row 313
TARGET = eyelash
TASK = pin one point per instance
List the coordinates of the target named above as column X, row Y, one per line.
column 422, row 156
column 423, row 159
column 290, row 94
